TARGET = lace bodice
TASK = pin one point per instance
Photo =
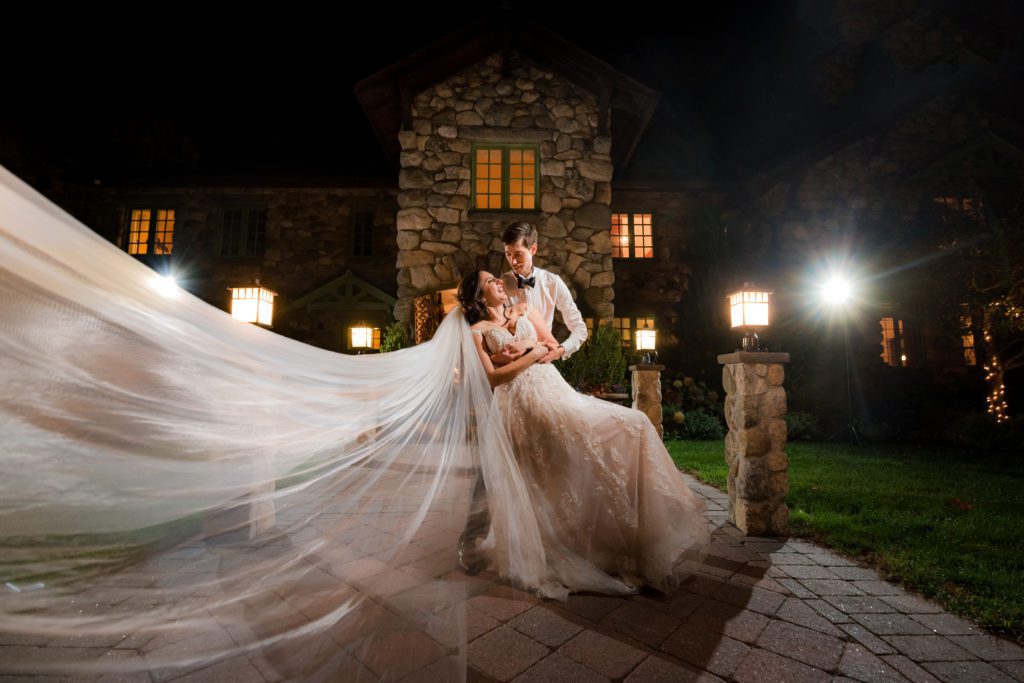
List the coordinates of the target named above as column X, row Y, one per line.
column 496, row 338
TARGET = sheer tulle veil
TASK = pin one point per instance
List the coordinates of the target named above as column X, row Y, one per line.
column 181, row 490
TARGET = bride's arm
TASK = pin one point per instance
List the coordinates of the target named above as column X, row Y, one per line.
column 506, row 373
column 544, row 335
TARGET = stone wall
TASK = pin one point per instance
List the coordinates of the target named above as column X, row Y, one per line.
column 309, row 238
column 441, row 239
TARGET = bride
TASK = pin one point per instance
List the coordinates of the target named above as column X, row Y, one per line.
column 613, row 509
column 171, row 473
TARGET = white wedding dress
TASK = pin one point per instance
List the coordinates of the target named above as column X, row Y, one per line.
column 613, row 510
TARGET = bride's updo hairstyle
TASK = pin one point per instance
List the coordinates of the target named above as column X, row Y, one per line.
column 469, row 297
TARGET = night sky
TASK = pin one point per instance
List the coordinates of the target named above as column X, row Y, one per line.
column 273, row 94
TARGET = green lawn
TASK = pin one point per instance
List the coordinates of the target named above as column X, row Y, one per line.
column 942, row 523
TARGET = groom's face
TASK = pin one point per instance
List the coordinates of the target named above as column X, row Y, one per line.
column 520, row 257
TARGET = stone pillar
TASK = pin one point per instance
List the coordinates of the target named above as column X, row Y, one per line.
column 647, row 392
column 755, row 411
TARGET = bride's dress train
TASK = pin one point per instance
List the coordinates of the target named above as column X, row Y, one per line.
column 613, row 510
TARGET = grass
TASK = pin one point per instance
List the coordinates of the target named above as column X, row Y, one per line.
column 944, row 524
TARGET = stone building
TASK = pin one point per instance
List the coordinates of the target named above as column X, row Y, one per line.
column 648, row 211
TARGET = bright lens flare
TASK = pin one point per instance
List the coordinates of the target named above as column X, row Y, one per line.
column 166, row 285
column 836, row 291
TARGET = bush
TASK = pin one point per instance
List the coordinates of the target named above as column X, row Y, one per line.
column 394, row 338
column 980, row 433
column 599, row 365
column 700, row 426
column 699, row 407
column 801, row 426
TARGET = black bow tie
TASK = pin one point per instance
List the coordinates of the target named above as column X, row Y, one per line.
column 526, row 281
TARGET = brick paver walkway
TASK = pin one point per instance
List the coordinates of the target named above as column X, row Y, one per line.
column 760, row 609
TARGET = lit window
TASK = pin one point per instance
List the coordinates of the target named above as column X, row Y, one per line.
column 632, row 235
column 894, row 350
column 364, row 337
column 362, row 234
column 243, row 232
column 967, row 207
column 967, row 338
column 150, row 231
column 624, row 329
column 627, row 328
column 506, row 177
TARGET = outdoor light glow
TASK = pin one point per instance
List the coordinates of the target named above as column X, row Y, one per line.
column 837, row 290
column 362, row 337
column 166, row 285
column 748, row 307
column 252, row 304
column 645, row 339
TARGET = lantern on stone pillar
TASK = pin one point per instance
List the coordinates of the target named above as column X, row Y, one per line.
column 749, row 311
column 253, row 304
column 646, row 344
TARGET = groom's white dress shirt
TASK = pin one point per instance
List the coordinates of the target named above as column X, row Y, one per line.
column 548, row 294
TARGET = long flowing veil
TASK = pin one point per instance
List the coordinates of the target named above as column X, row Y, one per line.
column 179, row 490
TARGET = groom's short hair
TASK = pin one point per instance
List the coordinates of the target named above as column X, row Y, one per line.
column 520, row 231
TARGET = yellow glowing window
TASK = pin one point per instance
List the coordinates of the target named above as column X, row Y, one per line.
column 632, row 230
column 968, row 341
column 968, row 207
column 894, row 350
column 624, row 328
column 364, row 337
column 150, row 231
column 505, row 177
column 620, row 235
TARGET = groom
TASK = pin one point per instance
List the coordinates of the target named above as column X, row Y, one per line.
column 545, row 291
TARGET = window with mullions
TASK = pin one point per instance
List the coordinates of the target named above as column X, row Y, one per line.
column 632, row 235
column 959, row 206
column 967, row 339
column 362, row 234
column 625, row 328
column 894, row 343
column 243, row 232
column 506, row 177
column 150, row 231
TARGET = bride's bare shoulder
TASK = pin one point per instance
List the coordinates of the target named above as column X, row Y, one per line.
column 521, row 308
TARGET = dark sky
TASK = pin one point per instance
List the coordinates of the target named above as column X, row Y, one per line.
column 273, row 93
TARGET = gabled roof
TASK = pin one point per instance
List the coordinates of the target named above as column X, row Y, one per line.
column 387, row 95
column 994, row 156
column 348, row 292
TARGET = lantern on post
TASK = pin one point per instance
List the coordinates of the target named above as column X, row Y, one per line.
column 253, row 304
column 749, row 312
column 646, row 344
column 361, row 337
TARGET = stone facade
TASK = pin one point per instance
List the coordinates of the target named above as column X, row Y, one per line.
column 309, row 242
column 441, row 238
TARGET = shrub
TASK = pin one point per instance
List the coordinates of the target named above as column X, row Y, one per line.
column 700, row 426
column 801, row 425
column 979, row 433
column 599, row 365
column 394, row 338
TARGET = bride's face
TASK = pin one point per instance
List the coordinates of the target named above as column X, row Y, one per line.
column 492, row 291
